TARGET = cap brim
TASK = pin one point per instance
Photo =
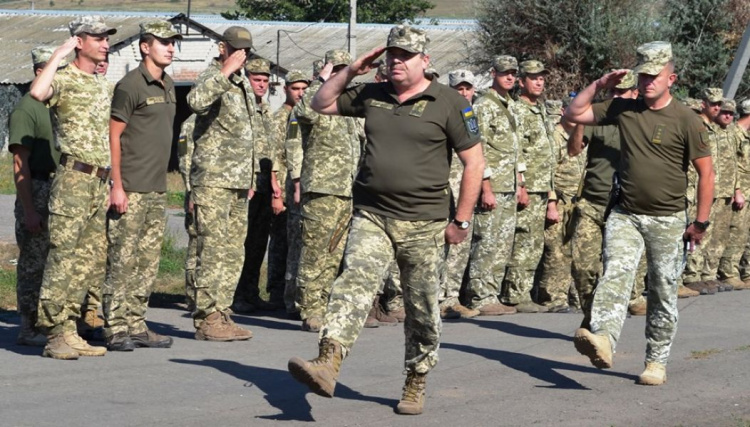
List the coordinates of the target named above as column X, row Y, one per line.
column 462, row 81
column 241, row 45
column 406, row 48
column 502, row 70
column 649, row 68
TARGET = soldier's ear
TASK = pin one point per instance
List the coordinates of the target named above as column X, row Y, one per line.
column 222, row 48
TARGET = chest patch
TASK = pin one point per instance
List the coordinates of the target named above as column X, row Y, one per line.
column 380, row 104
column 155, row 100
column 658, row 135
column 418, row 109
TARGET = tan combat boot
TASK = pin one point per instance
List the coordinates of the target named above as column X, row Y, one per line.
column 82, row 347
column 412, row 400
column 28, row 335
column 92, row 319
column 654, row 374
column 736, row 283
column 685, row 292
column 238, row 333
column 638, row 309
column 596, row 347
column 57, row 348
column 312, row 324
column 213, row 328
column 496, row 309
column 321, row 373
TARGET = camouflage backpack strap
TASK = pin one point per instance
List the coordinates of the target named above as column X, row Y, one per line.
column 505, row 111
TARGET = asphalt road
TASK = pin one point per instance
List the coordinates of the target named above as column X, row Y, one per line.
column 514, row 370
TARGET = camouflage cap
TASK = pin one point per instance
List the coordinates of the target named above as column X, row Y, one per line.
column 456, row 77
column 42, row 54
column 238, row 37
column 161, row 29
column 294, row 76
column 693, row 104
column 554, row 107
column 653, row 57
column 713, row 94
column 728, row 105
column 532, row 66
column 317, row 66
column 90, row 24
column 258, row 66
column 504, row 63
column 338, row 57
column 408, row 38
column 629, row 81
column 744, row 107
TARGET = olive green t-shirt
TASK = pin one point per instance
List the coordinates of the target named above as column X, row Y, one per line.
column 404, row 172
column 656, row 148
column 148, row 108
column 603, row 144
column 30, row 125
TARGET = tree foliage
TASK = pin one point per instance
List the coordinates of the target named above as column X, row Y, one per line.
column 378, row 11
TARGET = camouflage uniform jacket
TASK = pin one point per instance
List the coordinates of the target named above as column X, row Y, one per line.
column 263, row 147
column 293, row 148
column 724, row 157
column 331, row 147
column 742, row 141
column 278, row 126
column 81, row 106
column 497, row 126
column 185, row 149
column 569, row 170
column 535, row 142
column 223, row 130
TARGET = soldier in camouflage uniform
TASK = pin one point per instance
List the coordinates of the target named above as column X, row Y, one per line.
column 659, row 138
column 555, row 280
column 247, row 296
column 296, row 83
column 34, row 160
column 602, row 144
column 185, row 149
column 401, row 203
column 331, row 147
column 143, row 110
column 741, row 127
column 495, row 213
column 78, row 198
column 701, row 272
column 728, row 270
column 535, row 140
column 221, row 179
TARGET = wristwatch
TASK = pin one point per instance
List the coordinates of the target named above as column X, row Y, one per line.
column 702, row 226
column 463, row 225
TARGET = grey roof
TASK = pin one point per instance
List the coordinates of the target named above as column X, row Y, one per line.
column 300, row 43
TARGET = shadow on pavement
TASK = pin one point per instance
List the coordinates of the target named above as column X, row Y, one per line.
column 264, row 322
column 519, row 330
column 280, row 389
column 537, row 367
column 9, row 332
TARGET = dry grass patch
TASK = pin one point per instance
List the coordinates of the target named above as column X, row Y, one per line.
column 704, row 354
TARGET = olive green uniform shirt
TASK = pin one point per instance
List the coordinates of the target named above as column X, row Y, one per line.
column 603, row 160
column 30, row 125
column 147, row 106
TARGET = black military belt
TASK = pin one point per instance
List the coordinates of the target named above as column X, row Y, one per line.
column 101, row 173
column 41, row 176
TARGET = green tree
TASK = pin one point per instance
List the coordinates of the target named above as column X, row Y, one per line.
column 379, row 11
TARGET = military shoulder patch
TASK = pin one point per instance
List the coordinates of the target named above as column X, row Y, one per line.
column 470, row 120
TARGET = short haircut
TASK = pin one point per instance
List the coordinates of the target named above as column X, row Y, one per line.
column 147, row 38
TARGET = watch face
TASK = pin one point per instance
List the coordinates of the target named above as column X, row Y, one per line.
column 464, row 225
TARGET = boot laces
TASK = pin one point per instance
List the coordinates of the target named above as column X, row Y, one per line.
column 414, row 387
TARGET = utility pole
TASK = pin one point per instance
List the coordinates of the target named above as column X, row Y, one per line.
column 741, row 57
column 352, row 28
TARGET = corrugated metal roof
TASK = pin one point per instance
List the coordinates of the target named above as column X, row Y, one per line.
column 299, row 43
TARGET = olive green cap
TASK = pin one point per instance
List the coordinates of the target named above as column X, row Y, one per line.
column 238, row 37
column 532, row 66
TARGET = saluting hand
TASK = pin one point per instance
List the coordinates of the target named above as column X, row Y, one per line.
column 363, row 64
column 66, row 48
column 610, row 80
column 234, row 63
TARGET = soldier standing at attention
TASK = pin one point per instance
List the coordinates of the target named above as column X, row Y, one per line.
column 247, row 295
column 185, row 149
column 221, row 178
column 502, row 191
column 34, row 160
column 140, row 140
column 659, row 137
column 401, row 206
column 78, row 200
column 535, row 140
column 331, row 149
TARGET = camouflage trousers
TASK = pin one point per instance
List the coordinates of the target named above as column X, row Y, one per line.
column 556, row 280
column 528, row 246
column 586, row 265
column 729, row 264
column 703, row 263
column 391, row 289
column 625, row 238
column 135, row 239
column 32, row 249
column 277, row 252
column 221, row 224
column 419, row 249
column 191, row 258
column 294, row 247
column 491, row 247
column 324, row 218
column 452, row 275
column 256, row 241
column 78, row 247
